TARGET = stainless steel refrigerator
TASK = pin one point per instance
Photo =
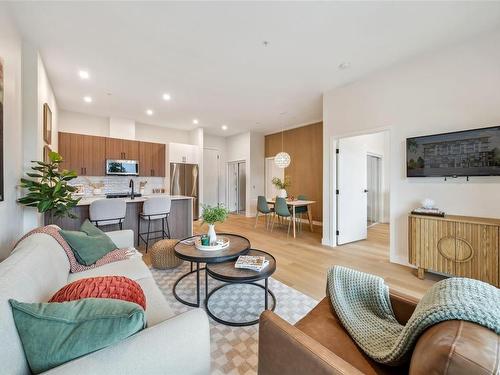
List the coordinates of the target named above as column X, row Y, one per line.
column 184, row 180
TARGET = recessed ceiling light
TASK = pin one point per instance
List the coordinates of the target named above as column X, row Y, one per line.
column 265, row 43
column 166, row 97
column 224, row 127
column 195, row 121
column 84, row 74
column 87, row 99
column 149, row 112
column 344, row 65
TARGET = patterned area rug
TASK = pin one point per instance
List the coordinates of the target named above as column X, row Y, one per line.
column 234, row 349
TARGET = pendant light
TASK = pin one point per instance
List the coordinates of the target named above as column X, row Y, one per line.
column 282, row 159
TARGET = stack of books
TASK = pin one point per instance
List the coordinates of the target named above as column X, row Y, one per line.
column 428, row 212
column 249, row 262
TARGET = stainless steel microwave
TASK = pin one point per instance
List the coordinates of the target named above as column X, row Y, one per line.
column 122, row 167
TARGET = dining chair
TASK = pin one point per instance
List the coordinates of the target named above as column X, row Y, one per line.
column 281, row 211
column 264, row 209
column 301, row 210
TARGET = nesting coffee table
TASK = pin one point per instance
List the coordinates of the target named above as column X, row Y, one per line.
column 185, row 250
column 227, row 273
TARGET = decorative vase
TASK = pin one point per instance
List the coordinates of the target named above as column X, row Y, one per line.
column 211, row 234
column 282, row 193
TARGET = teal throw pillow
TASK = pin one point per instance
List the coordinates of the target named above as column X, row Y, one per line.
column 55, row 333
column 89, row 245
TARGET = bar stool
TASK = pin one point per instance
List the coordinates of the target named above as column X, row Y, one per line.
column 108, row 212
column 157, row 208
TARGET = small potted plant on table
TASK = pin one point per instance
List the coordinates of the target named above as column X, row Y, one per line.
column 212, row 215
column 281, row 185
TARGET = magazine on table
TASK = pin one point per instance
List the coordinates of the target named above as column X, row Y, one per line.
column 251, row 262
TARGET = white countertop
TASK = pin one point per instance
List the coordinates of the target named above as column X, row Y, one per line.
column 88, row 199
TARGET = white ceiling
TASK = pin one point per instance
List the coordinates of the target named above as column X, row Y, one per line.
column 210, row 55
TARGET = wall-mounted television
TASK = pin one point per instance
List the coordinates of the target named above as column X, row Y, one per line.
column 464, row 153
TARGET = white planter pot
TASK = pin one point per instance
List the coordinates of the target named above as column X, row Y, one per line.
column 282, row 193
column 211, row 234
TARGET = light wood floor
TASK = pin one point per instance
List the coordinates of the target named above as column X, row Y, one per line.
column 302, row 263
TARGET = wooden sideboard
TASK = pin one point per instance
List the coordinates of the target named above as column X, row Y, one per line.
column 456, row 245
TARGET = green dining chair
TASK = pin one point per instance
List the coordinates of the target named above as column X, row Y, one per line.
column 281, row 211
column 264, row 209
column 300, row 211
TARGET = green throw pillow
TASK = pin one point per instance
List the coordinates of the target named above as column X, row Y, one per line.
column 55, row 333
column 89, row 245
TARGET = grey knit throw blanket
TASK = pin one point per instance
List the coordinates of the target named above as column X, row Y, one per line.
column 362, row 303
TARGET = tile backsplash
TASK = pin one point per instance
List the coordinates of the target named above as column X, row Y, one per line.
column 119, row 184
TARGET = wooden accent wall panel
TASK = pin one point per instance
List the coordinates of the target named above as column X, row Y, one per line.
column 305, row 146
column 456, row 245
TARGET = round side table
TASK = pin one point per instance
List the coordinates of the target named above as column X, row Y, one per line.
column 227, row 273
column 185, row 250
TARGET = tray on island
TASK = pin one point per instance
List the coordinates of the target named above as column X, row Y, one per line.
column 222, row 243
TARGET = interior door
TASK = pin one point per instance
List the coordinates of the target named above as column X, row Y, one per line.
column 232, row 191
column 351, row 186
column 373, row 183
column 211, row 173
column 242, row 183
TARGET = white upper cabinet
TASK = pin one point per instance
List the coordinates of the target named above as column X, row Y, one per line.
column 183, row 153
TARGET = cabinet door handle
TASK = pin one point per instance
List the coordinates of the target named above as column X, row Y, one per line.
column 85, row 170
column 152, row 172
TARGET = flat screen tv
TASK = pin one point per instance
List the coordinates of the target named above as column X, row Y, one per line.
column 465, row 153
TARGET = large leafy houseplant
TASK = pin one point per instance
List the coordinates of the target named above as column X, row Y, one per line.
column 48, row 190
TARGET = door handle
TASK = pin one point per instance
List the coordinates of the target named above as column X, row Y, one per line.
column 365, row 191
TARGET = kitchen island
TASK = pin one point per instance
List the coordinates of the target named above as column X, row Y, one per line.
column 180, row 219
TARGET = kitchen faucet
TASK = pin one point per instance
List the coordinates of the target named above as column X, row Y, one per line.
column 131, row 185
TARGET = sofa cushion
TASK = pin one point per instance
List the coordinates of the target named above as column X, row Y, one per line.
column 116, row 287
column 158, row 309
column 133, row 268
column 24, row 276
column 89, row 244
column 323, row 325
column 73, row 328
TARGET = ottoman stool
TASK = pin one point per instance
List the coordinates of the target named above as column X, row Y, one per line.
column 162, row 255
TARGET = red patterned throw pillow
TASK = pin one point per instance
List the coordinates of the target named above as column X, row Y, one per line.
column 116, row 287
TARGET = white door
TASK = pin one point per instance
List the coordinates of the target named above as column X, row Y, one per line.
column 211, row 174
column 272, row 170
column 351, row 186
column 232, row 186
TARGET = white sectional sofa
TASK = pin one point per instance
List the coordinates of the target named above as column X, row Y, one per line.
column 39, row 267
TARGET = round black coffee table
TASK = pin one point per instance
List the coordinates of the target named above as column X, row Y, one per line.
column 185, row 250
column 230, row 275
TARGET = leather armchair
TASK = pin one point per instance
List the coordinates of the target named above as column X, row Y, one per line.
column 318, row 344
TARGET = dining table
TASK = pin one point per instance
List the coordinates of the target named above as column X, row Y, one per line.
column 293, row 204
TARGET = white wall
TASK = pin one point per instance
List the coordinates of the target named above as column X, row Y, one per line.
column 219, row 143
column 36, row 91
column 10, row 55
column 122, row 128
column 257, row 170
column 74, row 122
column 453, row 89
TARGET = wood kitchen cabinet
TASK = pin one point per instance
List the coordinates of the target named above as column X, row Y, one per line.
column 122, row 149
column 84, row 154
column 456, row 245
column 151, row 159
